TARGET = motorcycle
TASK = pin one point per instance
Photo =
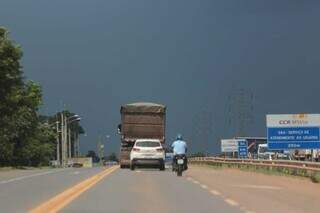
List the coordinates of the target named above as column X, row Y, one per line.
column 180, row 164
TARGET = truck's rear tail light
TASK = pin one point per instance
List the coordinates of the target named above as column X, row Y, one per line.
column 160, row 150
column 136, row 149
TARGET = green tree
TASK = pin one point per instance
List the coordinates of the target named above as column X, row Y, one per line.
column 23, row 138
column 11, row 89
column 40, row 147
column 92, row 154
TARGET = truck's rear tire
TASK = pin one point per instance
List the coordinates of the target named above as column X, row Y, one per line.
column 122, row 166
column 162, row 167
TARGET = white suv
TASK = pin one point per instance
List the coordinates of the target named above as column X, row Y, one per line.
column 147, row 152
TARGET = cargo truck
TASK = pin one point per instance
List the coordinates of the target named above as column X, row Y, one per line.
column 302, row 154
column 140, row 121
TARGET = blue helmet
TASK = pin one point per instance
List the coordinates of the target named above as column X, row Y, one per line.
column 179, row 137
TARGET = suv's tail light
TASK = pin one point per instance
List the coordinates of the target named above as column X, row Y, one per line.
column 160, row 150
column 136, row 149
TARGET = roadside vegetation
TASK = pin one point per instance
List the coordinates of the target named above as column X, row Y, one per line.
column 314, row 176
column 26, row 137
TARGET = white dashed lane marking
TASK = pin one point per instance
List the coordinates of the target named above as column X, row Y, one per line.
column 189, row 178
column 29, row 176
column 204, row 186
column 258, row 187
column 214, row 192
column 196, row 182
column 231, row 202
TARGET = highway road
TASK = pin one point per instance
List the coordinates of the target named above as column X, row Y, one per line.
column 148, row 191
column 21, row 190
column 201, row 189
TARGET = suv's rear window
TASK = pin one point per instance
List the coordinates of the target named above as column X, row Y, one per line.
column 148, row 144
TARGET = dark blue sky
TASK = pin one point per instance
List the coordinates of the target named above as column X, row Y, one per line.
column 94, row 55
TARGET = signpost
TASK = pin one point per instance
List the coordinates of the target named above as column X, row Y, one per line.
column 295, row 131
column 242, row 149
column 235, row 145
column 229, row 145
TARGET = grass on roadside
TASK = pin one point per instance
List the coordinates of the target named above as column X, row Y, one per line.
column 314, row 176
column 7, row 168
column 10, row 168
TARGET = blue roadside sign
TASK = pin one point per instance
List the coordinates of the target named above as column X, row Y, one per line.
column 298, row 131
column 243, row 149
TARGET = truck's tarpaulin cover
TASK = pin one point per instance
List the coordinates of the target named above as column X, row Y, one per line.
column 143, row 107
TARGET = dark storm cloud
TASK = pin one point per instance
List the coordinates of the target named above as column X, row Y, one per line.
column 96, row 55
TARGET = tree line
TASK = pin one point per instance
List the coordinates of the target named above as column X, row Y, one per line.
column 26, row 137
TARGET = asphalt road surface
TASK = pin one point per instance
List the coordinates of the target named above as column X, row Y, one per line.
column 21, row 190
column 261, row 193
column 201, row 189
column 143, row 190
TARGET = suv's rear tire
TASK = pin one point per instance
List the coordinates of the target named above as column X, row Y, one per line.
column 132, row 166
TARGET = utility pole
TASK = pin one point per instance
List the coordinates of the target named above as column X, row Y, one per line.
column 65, row 142
column 107, row 141
column 58, row 142
column 100, row 148
column 69, row 143
column 66, row 137
column 78, row 144
column 75, row 144
column 62, row 141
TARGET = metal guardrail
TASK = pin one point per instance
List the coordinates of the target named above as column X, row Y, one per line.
column 301, row 165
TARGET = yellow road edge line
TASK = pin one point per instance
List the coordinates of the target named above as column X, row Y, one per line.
column 61, row 200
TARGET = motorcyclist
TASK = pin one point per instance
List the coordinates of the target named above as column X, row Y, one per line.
column 179, row 148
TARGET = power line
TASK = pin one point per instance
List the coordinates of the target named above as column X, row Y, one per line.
column 241, row 110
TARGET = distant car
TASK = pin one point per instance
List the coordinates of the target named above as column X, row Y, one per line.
column 110, row 163
column 77, row 165
column 169, row 157
column 147, row 152
column 283, row 156
column 265, row 153
column 54, row 163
